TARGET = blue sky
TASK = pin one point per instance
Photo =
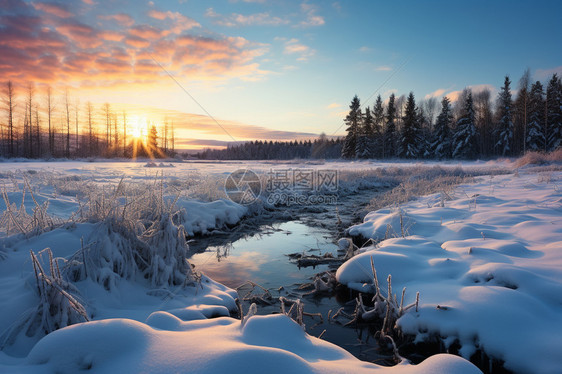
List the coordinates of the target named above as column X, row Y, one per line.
column 280, row 69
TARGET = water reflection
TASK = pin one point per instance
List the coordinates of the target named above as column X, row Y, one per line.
column 263, row 258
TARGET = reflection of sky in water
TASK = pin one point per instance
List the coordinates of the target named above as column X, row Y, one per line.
column 262, row 258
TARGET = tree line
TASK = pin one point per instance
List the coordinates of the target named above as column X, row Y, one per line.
column 45, row 126
column 473, row 126
column 320, row 148
column 470, row 128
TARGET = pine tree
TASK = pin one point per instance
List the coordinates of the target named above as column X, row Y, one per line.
column 363, row 146
column 378, row 125
column 554, row 113
column 389, row 141
column 152, row 141
column 441, row 146
column 409, row 141
column 535, row 139
column 465, row 140
column 352, row 120
column 505, row 125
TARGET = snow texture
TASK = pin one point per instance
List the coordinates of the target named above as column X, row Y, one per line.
column 486, row 261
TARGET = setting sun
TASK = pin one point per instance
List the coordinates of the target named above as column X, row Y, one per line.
column 139, row 127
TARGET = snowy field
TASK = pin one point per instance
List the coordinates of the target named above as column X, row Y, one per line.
column 485, row 258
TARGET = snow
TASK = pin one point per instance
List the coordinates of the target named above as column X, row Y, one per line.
column 201, row 218
column 491, row 256
column 505, row 226
column 271, row 343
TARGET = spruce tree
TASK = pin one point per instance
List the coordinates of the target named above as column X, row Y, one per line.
column 535, row 139
column 441, row 146
column 378, row 125
column 554, row 113
column 363, row 147
column 504, row 144
column 389, row 142
column 465, row 140
column 352, row 120
column 408, row 145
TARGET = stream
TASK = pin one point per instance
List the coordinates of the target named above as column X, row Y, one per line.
column 261, row 256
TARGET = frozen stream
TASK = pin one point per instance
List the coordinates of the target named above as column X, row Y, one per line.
column 262, row 258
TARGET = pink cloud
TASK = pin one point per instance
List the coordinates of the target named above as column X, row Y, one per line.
column 121, row 18
column 54, row 9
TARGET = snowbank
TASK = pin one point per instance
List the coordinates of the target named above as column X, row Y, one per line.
column 200, row 217
column 273, row 343
column 489, row 256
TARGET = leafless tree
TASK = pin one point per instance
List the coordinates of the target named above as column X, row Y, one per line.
column 10, row 106
column 67, row 107
column 50, row 109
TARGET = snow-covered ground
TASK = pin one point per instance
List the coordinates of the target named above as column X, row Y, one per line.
column 487, row 261
column 503, row 232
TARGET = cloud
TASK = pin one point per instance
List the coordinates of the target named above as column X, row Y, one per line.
column 180, row 22
column 57, row 10
column 186, row 123
column 118, row 52
column 236, row 19
column 543, row 74
column 383, row 68
column 437, row 93
column 333, row 106
column 365, row 49
column 312, row 19
column 455, row 95
column 121, row 18
column 304, row 52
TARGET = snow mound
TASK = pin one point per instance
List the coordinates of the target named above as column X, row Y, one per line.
column 487, row 264
column 271, row 343
column 201, row 218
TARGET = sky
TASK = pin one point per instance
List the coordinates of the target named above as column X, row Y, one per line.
column 235, row 70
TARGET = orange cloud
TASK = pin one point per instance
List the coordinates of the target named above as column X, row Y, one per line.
column 57, row 10
column 121, row 18
column 93, row 54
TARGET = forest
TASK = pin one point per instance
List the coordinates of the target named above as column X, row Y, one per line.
column 49, row 126
column 475, row 125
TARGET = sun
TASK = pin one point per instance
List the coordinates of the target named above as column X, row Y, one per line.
column 138, row 127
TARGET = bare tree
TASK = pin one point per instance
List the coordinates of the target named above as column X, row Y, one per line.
column 76, row 109
column 173, row 140
column 50, row 109
column 115, row 134
column 38, row 132
column 107, row 114
column 484, row 121
column 10, row 106
column 124, row 134
column 67, row 107
column 28, row 126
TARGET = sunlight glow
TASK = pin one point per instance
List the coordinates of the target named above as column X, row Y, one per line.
column 139, row 127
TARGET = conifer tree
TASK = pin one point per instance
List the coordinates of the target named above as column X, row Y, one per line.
column 352, row 120
column 465, row 139
column 389, row 142
column 441, row 146
column 378, row 126
column 363, row 146
column 504, row 144
column 535, row 139
column 554, row 113
column 409, row 141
